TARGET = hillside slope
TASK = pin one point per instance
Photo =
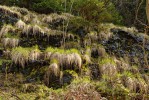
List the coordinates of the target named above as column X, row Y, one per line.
column 61, row 56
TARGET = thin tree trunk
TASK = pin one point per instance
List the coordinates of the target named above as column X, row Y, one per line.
column 147, row 10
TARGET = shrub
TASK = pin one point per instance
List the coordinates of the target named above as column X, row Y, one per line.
column 47, row 6
column 97, row 11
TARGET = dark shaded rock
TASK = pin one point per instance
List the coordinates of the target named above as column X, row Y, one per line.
column 124, row 43
column 6, row 19
column 95, row 73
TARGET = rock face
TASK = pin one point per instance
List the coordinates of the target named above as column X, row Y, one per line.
column 7, row 16
column 128, row 44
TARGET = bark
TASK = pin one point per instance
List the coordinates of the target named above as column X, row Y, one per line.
column 147, row 10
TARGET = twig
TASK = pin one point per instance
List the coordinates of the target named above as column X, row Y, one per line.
column 137, row 11
column 4, row 95
column 16, row 96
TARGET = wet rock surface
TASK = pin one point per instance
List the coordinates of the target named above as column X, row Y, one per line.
column 128, row 44
column 5, row 19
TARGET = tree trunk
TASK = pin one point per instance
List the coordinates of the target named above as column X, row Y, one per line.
column 147, row 10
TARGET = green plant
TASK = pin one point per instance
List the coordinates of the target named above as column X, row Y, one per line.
column 46, row 6
column 97, row 10
column 106, row 61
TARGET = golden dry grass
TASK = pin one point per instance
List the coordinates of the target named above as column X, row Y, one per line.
column 20, row 24
column 53, row 69
column 10, row 42
column 9, row 11
column 66, row 60
column 5, row 29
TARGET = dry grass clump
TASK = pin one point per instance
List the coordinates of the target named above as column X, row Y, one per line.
column 146, row 78
column 56, row 17
column 33, row 30
column 29, row 17
column 8, row 11
column 142, row 85
column 134, row 69
column 49, row 32
column 20, row 56
column 20, row 24
column 122, row 65
column 67, row 59
column 88, row 51
column 37, row 30
column 87, row 42
column 55, row 32
column 47, row 19
column 129, row 29
column 105, row 30
column 98, row 51
column 86, row 59
column 5, row 29
column 131, row 84
column 52, row 71
column 7, row 53
column 36, row 20
column 109, row 26
column 108, row 67
column 28, row 30
column 35, row 54
column 104, row 35
column 71, row 61
column 135, row 83
column 71, row 44
column 10, row 42
column 87, row 56
column 82, row 91
column 93, row 36
column 23, row 11
column 70, row 36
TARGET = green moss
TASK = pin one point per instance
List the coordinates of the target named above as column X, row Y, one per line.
column 12, row 35
column 54, row 61
column 50, row 49
column 70, row 45
column 73, row 73
column 20, row 55
column 107, row 60
column 24, row 51
column 6, row 61
column 82, row 80
column 128, row 74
